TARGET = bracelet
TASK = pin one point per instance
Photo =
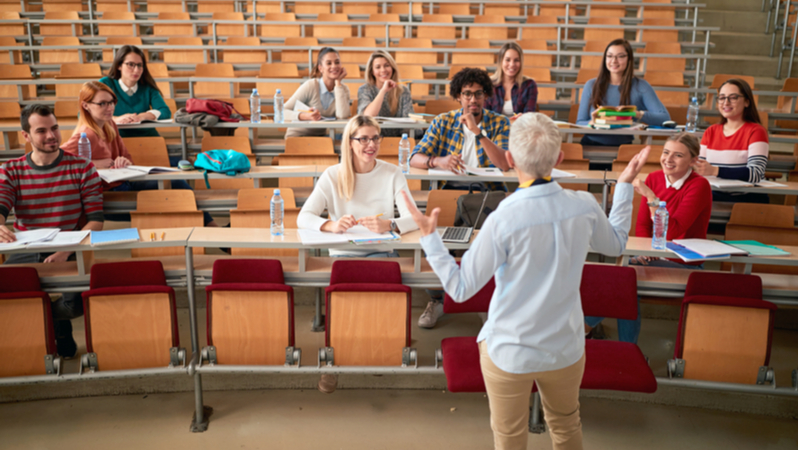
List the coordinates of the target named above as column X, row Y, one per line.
column 428, row 163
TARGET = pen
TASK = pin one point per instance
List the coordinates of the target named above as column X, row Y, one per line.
column 375, row 217
column 163, row 234
column 152, row 236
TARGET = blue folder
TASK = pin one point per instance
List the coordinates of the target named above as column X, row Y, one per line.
column 109, row 237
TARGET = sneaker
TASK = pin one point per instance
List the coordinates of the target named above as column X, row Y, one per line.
column 598, row 332
column 432, row 313
column 327, row 383
column 66, row 347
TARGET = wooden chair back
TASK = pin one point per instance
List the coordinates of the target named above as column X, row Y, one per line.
column 252, row 211
column 207, row 89
column 105, row 6
column 59, row 56
column 16, row 72
column 431, row 32
column 659, row 35
column 12, row 29
column 309, row 145
column 243, row 56
column 535, row 60
column 174, row 29
column 585, row 75
column 458, row 9
column 361, row 8
column 23, row 336
column 108, row 54
column 224, row 29
column 172, row 208
column 411, row 72
column 389, row 152
column 573, row 160
column 74, row 70
column 768, row 224
column 368, row 328
column 130, row 331
column 784, row 103
column 403, row 9
column 603, row 34
column 663, row 78
column 441, row 106
column 62, row 5
column 725, row 343
column 62, row 29
column 159, row 6
column 542, row 33
column 445, row 199
column 299, row 56
column 280, row 30
column 117, row 29
column 591, row 61
column 357, row 57
column 159, row 70
column 332, row 31
column 379, row 31
column 416, row 58
column 301, row 159
column 677, row 114
column 8, row 41
column 185, row 56
column 658, row 64
column 626, row 152
column 501, row 10
column 312, row 8
column 148, row 151
column 606, row 11
column 215, row 7
column 493, row 33
column 278, row 70
column 473, row 58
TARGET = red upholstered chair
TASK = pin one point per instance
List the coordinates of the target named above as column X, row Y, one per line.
column 250, row 314
column 130, row 317
column 27, row 338
column 725, row 330
column 368, row 315
column 610, row 291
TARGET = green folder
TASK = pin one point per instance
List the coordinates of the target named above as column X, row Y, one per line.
column 756, row 248
column 617, row 113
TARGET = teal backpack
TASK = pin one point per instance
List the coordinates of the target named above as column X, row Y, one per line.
column 229, row 162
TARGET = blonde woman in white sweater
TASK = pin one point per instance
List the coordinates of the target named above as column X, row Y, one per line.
column 324, row 93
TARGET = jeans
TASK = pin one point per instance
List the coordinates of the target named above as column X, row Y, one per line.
column 629, row 329
column 68, row 307
column 150, row 185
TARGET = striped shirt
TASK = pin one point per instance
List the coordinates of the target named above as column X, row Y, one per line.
column 740, row 156
column 52, row 196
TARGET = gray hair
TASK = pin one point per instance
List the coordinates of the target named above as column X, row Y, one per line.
column 535, row 144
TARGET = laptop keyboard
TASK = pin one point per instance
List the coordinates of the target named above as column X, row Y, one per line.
column 456, row 233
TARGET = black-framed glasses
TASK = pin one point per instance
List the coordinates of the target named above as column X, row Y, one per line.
column 364, row 140
column 105, row 104
column 733, row 98
column 134, row 65
column 469, row 94
column 619, row 57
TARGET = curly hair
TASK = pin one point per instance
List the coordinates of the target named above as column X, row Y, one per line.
column 468, row 76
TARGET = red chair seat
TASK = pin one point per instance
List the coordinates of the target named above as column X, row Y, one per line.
column 461, row 361
column 617, row 366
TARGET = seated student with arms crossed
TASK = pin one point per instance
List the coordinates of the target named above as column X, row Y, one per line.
column 688, row 197
column 74, row 195
column 360, row 190
column 534, row 245
column 96, row 108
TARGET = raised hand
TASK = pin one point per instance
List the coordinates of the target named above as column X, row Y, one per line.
column 426, row 224
column 634, row 166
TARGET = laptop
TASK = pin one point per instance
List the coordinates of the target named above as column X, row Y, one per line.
column 462, row 235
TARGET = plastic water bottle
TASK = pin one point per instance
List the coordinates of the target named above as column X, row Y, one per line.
column 691, row 116
column 277, row 105
column 255, row 107
column 404, row 153
column 276, row 214
column 84, row 147
column 660, row 223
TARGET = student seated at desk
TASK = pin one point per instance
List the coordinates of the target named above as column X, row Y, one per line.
column 383, row 95
column 74, row 195
column 514, row 93
column 359, row 190
column 96, row 105
column 139, row 98
column 324, row 93
column 616, row 85
column 688, row 197
column 736, row 148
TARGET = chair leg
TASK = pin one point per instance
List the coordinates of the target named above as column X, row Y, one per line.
column 318, row 324
column 536, row 419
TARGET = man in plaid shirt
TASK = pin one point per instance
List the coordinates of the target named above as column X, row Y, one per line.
column 468, row 137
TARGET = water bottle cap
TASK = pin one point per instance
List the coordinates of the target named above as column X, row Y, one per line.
column 662, row 204
column 83, row 135
column 276, row 192
column 255, row 91
column 405, row 135
column 278, row 91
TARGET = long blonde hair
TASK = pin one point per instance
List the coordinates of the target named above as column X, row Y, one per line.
column 347, row 171
column 394, row 98
column 85, row 119
column 497, row 77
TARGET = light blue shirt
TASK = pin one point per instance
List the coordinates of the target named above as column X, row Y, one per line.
column 325, row 96
column 535, row 245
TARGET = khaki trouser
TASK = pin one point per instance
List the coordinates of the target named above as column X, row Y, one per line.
column 509, row 402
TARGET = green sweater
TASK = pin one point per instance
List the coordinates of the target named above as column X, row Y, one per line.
column 145, row 99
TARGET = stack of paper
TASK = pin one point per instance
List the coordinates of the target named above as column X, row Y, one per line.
column 691, row 250
column 27, row 237
column 356, row 234
column 62, row 239
column 114, row 175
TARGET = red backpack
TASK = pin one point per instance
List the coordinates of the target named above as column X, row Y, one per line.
column 223, row 110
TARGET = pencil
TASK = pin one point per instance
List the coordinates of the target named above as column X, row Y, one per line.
column 164, row 233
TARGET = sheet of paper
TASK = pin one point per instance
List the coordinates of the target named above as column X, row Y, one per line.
column 361, row 232
column 708, row 248
column 153, row 169
column 765, row 183
column 396, row 119
column 483, row 171
column 358, row 232
column 26, row 237
column 62, row 239
column 561, row 174
column 724, row 183
column 114, row 175
column 300, row 106
column 439, row 172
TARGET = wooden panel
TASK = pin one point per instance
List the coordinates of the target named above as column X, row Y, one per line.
column 131, row 331
column 205, row 6
column 446, row 200
column 229, row 29
column 311, row 145
column 332, row 31
column 725, row 343
column 448, row 32
column 493, row 33
column 61, row 29
column 250, row 327
column 173, row 29
column 108, row 54
column 280, row 30
column 379, row 31
column 304, row 160
column 116, row 29
column 260, row 219
column 148, row 151
column 165, row 220
column 22, row 342
column 258, row 199
column 368, row 328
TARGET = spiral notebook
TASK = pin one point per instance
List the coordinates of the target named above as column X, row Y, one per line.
column 110, row 237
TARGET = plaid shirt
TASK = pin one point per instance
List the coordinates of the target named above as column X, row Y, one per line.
column 522, row 98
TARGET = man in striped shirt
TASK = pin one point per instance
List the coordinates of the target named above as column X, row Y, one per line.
column 49, row 188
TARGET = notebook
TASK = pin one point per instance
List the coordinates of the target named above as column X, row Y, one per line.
column 690, row 256
column 756, row 248
column 110, row 237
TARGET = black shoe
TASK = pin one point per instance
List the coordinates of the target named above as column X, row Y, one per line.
column 65, row 343
column 597, row 332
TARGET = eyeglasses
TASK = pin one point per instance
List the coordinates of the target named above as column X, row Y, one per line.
column 477, row 94
column 619, row 57
column 105, row 104
column 133, row 66
column 733, row 98
column 363, row 140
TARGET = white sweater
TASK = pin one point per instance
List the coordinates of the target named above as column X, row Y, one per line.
column 375, row 192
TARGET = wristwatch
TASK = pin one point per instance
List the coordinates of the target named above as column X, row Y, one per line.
column 654, row 203
column 393, row 225
column 482, row 133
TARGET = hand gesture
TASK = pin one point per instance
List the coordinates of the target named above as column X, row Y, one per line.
column 469, row 120
column 704, row 168
column 341, row 225
column 594, row 115
column 341, row 76
column 388, row 85
column 645, row 191
column 634, row 166
column 57, row 257
column 640, row 260
column 453, row 163
column 6, row 235
column 126, row 118
column 312, row 115
column 375, row 224
column 121, row 162
column 426, row 224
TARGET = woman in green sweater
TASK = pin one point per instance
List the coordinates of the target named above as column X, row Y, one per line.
column 137, row 92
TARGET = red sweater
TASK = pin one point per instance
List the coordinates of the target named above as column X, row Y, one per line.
column 689, row 207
